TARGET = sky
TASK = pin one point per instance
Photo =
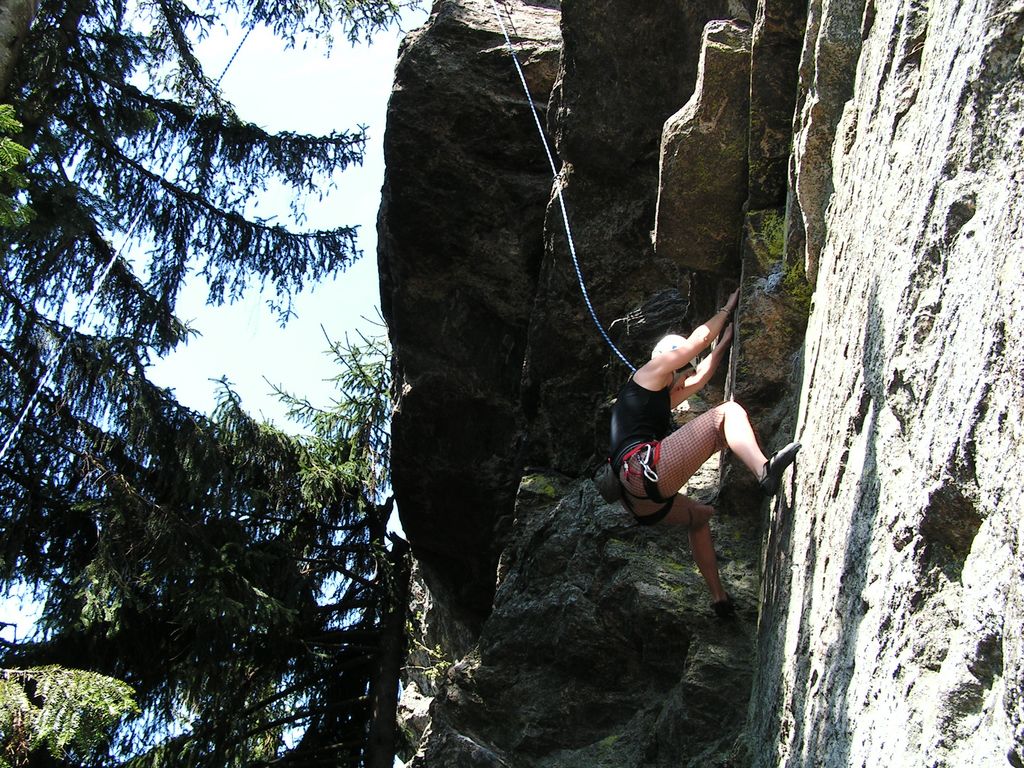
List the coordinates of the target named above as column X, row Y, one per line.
column 306, row 91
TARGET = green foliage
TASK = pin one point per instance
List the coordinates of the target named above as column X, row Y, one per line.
column 246, row 590
column 765, row 235
column 70, row 712
column 797, row 288
column 351, row 440
column 436, row 663
column 773, row 232
column 12, row 212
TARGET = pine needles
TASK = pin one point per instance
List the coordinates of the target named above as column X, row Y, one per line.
column 69, row 712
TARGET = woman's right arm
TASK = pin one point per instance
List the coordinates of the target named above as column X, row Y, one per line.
column 704, row 335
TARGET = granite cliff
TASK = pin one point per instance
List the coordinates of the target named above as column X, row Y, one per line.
column 856, row 169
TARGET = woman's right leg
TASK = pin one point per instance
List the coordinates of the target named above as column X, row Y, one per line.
column 739, row 436
column 682, row 454
column 685, row 450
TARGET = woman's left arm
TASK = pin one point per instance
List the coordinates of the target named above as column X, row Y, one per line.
column 702, row 375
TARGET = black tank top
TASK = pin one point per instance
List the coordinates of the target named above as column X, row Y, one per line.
column 638, row 416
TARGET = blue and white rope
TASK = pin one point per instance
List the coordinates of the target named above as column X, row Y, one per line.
column 558, row 190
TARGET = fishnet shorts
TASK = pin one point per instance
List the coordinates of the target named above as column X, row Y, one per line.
column 682, row 454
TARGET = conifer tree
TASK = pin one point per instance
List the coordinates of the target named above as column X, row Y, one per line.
column 67, row 712
column 229, row 573
column 249, row 593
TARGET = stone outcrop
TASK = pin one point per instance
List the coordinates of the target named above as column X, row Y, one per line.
column 600, row 652
column 704, row 158
column 774, row 60
column 460, row 246
column 878, row 243
column 827, row 67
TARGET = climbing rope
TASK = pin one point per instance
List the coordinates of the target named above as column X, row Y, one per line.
column 84, row 311
column 558, row 186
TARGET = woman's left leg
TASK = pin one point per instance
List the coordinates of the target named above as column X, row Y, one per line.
column 682, row 454
column 707, row 561
column 694, row 517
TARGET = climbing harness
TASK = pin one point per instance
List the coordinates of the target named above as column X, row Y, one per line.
column 606, row 478
column 558, row 186
column 647, row 455
column 86, row 308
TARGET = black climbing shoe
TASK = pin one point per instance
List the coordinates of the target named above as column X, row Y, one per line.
column 724, row 609
column 775, row 466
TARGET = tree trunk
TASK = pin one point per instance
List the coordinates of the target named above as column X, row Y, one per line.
column 384, row 726
column 15, row 19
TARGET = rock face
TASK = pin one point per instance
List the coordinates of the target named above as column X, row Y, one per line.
column 874, row 211
column 891, row 629
column 600, row 652
column 461, row 241
column 704, row 156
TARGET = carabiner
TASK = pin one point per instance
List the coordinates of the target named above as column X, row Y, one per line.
column 645, row 462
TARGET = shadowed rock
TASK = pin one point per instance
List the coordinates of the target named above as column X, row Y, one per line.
column 459, row 248
column 602, row 650
column 774, row 64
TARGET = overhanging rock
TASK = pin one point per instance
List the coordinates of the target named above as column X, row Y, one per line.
column 459, row 248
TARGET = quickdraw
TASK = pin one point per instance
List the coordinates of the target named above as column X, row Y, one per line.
column 647, row 454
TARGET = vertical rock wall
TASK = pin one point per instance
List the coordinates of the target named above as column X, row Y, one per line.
column 775, row 294
column 891, row 625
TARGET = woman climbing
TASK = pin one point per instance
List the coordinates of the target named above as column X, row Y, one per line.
column 654, row 463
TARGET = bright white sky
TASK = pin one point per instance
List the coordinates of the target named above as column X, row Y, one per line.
column 306, row 91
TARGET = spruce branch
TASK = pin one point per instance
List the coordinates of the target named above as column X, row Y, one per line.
column 70, row 712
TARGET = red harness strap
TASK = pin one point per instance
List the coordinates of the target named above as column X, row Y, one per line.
column 649, row 472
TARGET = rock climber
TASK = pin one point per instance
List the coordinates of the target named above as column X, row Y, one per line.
column 653, row 462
